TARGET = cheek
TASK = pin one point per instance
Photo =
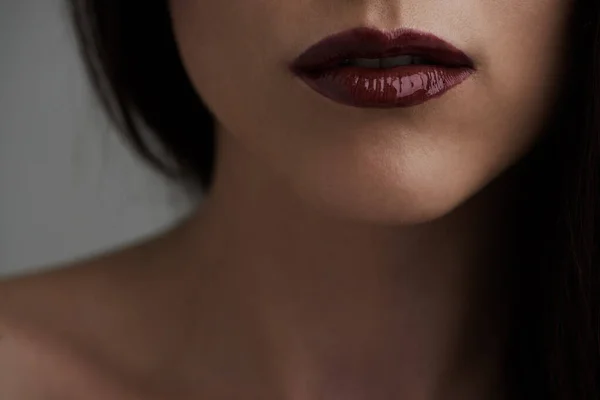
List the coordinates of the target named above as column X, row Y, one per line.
column 229, row 49
column 524, row 60
column 221, row 43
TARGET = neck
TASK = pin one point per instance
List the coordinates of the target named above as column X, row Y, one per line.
column 348, row 309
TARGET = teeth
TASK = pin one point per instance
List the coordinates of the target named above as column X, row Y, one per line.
column 388, row 62
column 391, row 62
column 366, row 62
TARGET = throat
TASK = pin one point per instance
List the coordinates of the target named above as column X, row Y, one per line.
column 380, row 346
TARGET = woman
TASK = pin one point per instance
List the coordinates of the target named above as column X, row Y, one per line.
column 368, row 229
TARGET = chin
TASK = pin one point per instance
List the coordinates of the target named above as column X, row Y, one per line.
column 407, row 196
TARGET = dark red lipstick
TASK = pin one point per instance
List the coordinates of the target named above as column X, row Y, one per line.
column 365, row 67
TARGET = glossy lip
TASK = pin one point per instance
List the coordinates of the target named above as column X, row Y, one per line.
column 366, row 42
column 321, row 67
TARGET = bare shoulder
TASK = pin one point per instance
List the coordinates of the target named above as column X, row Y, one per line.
column 33, row 366
column 45, row 298
column 61, row 327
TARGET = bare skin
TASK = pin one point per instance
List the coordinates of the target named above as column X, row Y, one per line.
column 245, row 300
column 342, row 253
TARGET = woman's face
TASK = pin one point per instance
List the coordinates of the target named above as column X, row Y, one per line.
column 406, row 164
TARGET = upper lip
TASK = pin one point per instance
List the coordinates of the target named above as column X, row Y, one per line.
column 366, row 42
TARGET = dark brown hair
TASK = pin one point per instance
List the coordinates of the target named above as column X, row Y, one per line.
column 554, row 350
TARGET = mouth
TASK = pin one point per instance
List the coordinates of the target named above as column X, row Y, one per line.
column 372, row 68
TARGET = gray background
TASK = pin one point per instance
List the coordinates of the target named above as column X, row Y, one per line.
column 69, row 188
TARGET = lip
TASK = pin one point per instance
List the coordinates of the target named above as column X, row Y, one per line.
column 402, row 86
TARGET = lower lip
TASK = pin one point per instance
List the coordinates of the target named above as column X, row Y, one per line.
column 403, row 86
